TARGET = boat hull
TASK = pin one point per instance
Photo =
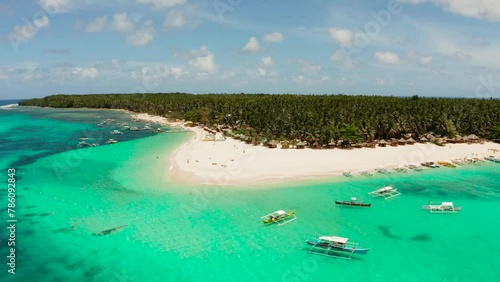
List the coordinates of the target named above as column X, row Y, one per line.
column 441, row 209
column 329, row 247
column 287, row 215
column 354, row 204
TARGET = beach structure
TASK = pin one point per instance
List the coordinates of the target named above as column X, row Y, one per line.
column 444, row 207
column 382, row 143
column 424, row 140
column 352, row 203
column 402, row 142
column 410, row 141
column 334, row 246
column 382, row 170
column 387, row 192
column 331, row 144
column 279, row 217
column 285, row 145
column 393, row 142
column 273, row 144
column 473, row 138
column 301, row 145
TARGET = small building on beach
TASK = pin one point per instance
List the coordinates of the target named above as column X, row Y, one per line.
column 382, row 143
column 300, row 145
column 273, row 144
column 285, row 145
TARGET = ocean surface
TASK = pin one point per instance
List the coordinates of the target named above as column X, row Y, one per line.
column 111, row 213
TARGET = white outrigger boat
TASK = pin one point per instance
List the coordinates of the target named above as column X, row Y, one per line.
column 116, row 132
column 280, row 217
column 333, row 246
column 444, row 207
column 386, row 192
column 493, row 159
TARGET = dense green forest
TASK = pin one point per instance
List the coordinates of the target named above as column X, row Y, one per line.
column 312, row 118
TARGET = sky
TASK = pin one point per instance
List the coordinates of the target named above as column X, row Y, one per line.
column 445, row 48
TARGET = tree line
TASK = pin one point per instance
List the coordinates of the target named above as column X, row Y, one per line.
column 311, row 118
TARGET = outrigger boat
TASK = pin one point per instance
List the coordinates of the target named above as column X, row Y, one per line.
column 353, row 203
column 386, row 192
column 444, row 207
column 493, row 159
column 347, row 173
column 430, row 164
column 447, row 164
column 365, row 172
column 280, row 217
column 331, row 246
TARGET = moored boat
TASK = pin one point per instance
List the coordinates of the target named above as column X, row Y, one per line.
column 280, row 217
column 332, row 245
column 447, row 164
column 353, row 203
column 387, row 192
column 347, row 173
column 430, row 164
column 444, row 207
column 492, row 159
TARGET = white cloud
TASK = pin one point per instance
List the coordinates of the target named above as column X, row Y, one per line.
column 308, row 67
column 479, row 9
column 388, row 58
column 143, row 36
column 274, row 37
column 122, row 23
column 339, row 56
column 204, row 61
column 28, row 31
column 267, row 61
column 85, row 73
column 262, row 72
column 175, row 19
column 57, row 6
column 252, row 45
column 344, row 37
column 96, row 25
column 159, row 4
column 41, row 22
column 426, row 60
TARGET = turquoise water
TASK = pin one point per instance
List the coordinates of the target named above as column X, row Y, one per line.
column 175, row 232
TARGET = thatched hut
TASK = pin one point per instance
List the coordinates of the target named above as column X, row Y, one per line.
column 382, row 143
column 440, row 142
column 273, row 144
column 473, row 138
column 411, row 141
column 300, row 145
column 316, row 145
column 285, row 145
column 459, row 139
column 331, row 144
column 371, row 145
column 360, row 145
column 393, row 142
column 402, row 141
column 423, row 139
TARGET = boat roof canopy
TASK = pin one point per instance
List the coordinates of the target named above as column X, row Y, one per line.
column 280, row 212
column 448, row 204
column 335, row 239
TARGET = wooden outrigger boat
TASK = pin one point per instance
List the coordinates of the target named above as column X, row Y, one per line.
column 333, row 246
column 430, row 164
column 444, row 207
column 447, row 164
column 352, row 203
column 280, row 217
column 347, row 173
column 386, row 192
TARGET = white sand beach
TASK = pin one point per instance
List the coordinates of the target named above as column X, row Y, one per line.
column 235, row 163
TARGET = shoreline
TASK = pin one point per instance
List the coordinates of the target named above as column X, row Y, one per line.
column 232, row 162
